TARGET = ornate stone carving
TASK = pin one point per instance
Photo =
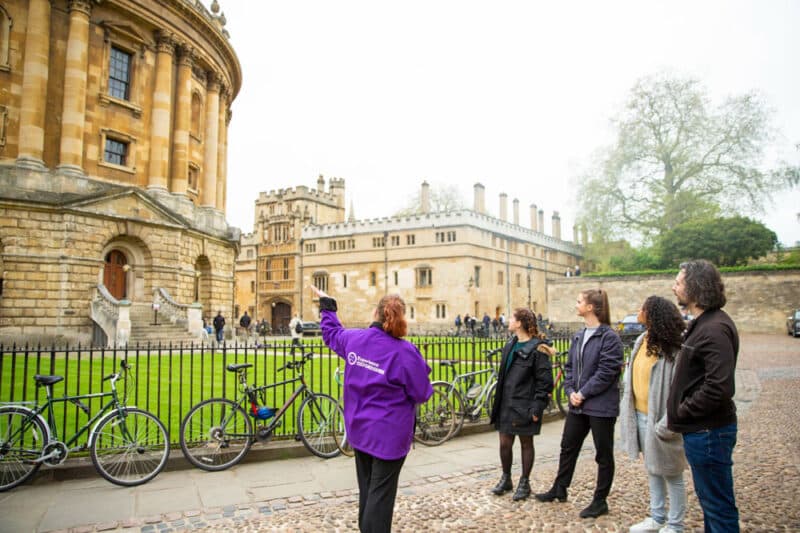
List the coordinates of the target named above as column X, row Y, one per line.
column 165, row 41
column 186, row 55
column 81, row 6
column 213, row 80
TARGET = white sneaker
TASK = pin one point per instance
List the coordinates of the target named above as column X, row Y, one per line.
column 648, row 524
column 667, row 529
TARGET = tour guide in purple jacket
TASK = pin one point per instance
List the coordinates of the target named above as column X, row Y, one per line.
column 385, row 378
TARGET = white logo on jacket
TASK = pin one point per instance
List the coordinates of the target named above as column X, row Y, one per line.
column 355, row 359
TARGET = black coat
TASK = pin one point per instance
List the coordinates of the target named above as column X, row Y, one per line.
column 528, row 382
column 594, row 370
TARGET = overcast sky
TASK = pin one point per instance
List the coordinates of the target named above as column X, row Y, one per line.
column 516, row 95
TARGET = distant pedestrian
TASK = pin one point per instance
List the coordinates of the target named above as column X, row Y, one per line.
column 591, row 382
column 385, row 378
column 577, row 270
column 219, row 326
column 643, row 414
column 244, row 322
column 503, row 324
column 524, row 384
column 296, row 330
column 700, row 404
column 495, row 324
column 486, row 322
column 458, row 325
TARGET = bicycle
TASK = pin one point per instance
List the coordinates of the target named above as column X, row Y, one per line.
column 217, row 433
column 468, row 397
column 128, row 446
column 343, row 444
column 557, row 399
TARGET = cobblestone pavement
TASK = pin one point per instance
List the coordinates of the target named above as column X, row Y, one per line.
column 766, row 473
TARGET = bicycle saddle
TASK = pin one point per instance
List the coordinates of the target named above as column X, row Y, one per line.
column 240, row 366
column 47, row 380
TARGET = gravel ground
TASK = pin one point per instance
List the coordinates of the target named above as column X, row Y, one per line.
column 766, row 476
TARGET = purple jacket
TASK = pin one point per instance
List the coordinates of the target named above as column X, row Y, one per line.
column 384, row 379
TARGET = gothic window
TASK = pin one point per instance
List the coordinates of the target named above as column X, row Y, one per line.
column 320, row 281
column 441, row 310
column 373, row 279
column 285, row 268
column 5, row 39
column 395, row 240
column 424, row 276
column 378, row 242
column 410, row 239
column 477, row 277
column 344, row 280
column 396, row 278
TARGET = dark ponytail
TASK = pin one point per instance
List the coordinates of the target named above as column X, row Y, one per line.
column 599, row 300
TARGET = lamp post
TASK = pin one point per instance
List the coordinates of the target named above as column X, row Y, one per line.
column 529, row 267
column 196, row 286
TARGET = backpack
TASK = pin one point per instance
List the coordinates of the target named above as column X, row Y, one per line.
column 298, row 328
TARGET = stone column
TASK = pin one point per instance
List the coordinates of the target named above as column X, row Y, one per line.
column 209, row 192
column 161, row 120
column 222, row 150
column 34, row 85
column 179, row 181
column 73, row 115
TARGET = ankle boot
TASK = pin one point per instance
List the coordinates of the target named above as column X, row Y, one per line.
column 556, row 492
column 504, row 485
column 523, row 489
column 595, row 509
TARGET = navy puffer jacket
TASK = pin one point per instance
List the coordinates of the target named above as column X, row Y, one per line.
column 594, row 372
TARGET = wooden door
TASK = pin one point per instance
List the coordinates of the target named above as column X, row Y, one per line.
column 114, row 275
column 281, row 315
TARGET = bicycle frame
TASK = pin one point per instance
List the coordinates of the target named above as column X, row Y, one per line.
column 474, row 404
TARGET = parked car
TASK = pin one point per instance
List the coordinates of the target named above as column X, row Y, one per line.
column 629, row 326
column 793, row 323
column 311, row 329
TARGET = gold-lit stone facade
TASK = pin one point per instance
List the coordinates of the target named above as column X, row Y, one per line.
column 113, row 158
column 442, row 263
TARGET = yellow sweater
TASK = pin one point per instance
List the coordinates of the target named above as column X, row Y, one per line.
column 640, row 379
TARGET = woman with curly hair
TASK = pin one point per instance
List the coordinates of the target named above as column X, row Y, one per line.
column 524, row 383
column 643, row 414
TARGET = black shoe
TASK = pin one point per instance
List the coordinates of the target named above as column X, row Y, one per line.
column 504, row 485
column 523, row 489
column 557, row 492
column 595, row 509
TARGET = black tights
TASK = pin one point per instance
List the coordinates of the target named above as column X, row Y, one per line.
column 506, row 454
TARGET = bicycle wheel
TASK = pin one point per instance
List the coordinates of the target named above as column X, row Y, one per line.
column 319, row 421
column 216, row 434
column 341, row 439
column 22, row 439
column 130, row 446
column 560, row 399
column 459, row 405
column 489, row 402
column 436, row 418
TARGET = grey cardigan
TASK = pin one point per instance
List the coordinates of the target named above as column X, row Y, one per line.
column 663, row 449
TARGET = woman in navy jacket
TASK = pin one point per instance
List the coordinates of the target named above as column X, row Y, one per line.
column 591, row 382
column 525, row 380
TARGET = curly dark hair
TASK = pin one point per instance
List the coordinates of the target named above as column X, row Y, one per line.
column 527, row 320
column 704, row 286
column 664, row 327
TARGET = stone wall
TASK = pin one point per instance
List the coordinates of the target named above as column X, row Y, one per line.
column 757, row 301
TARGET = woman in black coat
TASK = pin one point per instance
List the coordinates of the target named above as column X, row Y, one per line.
column 524, row 384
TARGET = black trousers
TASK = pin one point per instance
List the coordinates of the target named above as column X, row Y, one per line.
column 296, row 342
column 576, row 427
column 377, row 489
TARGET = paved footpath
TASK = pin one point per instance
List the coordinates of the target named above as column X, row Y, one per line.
column 442, row 488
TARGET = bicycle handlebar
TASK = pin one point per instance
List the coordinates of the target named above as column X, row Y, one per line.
column 293, row 365
column 491, row 353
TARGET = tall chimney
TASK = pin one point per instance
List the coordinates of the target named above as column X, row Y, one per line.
column 480, row 193
column 556, row 225
column 516, row 211
column 503, row 207
column 575, row 234
column 541, row 220
column 425, row 198
column 321, row 183
column 534, row 225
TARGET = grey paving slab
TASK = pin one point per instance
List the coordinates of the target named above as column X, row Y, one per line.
column 74, row 510
column 260, row 494
column 166, row 500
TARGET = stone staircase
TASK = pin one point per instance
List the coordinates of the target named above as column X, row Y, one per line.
column 143, row 330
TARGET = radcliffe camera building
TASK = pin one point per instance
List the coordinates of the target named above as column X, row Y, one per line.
column 113, row 158
column 442, row 263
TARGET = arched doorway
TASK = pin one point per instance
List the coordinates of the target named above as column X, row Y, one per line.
column 281, row 315
column 114, row 274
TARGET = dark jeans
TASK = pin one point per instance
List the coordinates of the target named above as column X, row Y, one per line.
column 576, row 427
column 219, row 335
column 377, row 488
column 296, row 342
column 709, row 454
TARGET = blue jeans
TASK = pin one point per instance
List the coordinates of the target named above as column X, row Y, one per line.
column 661, row 487
column 709, row 453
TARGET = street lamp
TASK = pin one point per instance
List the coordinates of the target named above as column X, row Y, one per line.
column 197, row 286
column 529, row 267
